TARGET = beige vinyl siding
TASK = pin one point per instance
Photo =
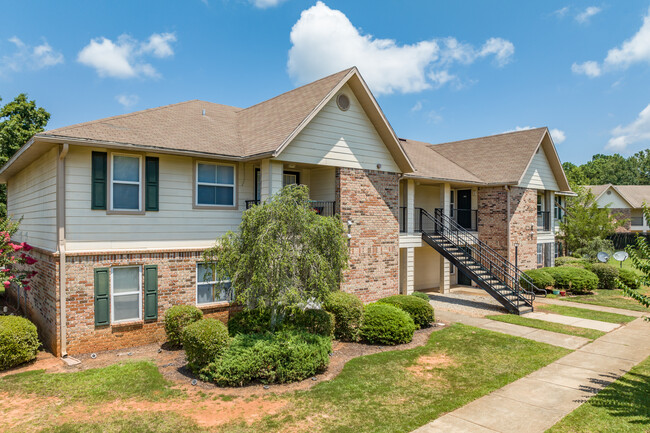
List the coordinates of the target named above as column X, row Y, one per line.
column 31, row 195
column 614, row 200
column 175, row 225
column 427, row 268
column 323, row 184
column 539, row 174
column 340, row 139
column 428, row 197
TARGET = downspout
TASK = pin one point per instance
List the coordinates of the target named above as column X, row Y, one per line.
column 507, row 188
column 60, row 224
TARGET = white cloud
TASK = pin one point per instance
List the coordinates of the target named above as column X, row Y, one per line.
column 634, row 50
column 324, row 41
column 265, row 4
column 558, row 135
column 590, row 69
column 417, row 107
column 434, row 117
column 124, row 58
column 29, row 57
column 584, row 16
column 638, row 130
column 561, row 13
column 127, row 101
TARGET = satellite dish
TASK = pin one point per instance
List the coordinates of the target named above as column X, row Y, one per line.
column 602, row 257
column 621, row 256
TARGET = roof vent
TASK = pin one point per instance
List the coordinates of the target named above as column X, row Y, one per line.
column 609, row 193
column 343, row 102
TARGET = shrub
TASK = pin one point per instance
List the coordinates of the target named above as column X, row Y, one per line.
column 607, row 275
column 420, row 310
column 573, row 261
column 386, row 324
column 18, row 341
column 629, row 278
column 286, row 356
column 177, row 318
column 348, row 314
column 249, row 322
column 312, row 320
column 540, row 278
column 575, row 280
column 421, row 295
column 204, row 341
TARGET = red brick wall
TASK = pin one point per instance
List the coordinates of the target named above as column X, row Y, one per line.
column 492, row 221
column 176, row 285
column 370, row 199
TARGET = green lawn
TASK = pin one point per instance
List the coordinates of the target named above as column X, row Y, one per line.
column 584, row 314
column 622, row 407
column 610, row 298
column 592, row 334
column 140, row 423
column 140, row 380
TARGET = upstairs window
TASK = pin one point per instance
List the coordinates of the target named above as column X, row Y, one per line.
column 558, row 208
column 215, row 184
column 126, row 188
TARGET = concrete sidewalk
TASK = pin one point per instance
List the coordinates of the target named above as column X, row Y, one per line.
column 573, row 321
column 536, row 402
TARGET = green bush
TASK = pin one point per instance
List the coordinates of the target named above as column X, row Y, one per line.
column 607, row 275
column 571, row 261
column 286, row 356
column 629, row 278
column 386, row 324
column 420, row 310
column 575, row 280
column 177, row 318
column 540, row 278
column 348, row 314
column 421, row 295
column 312, row 320
column 249, row 322
column 204, row 341
column 18, row 341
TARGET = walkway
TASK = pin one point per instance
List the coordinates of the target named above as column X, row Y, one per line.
column 536, row 402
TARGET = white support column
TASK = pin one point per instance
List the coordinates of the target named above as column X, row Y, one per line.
column 445, row 266
column 410, row 206
column 410, row 270
column 271, row 172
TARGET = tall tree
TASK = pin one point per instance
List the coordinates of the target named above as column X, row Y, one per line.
column 20, row 119
column 640, row 255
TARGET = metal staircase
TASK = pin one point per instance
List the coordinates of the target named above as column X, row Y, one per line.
column 479, row 262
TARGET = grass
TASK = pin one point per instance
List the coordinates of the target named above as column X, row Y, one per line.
column 140, row 423
column 623, row 406
column 139, row 380
column 611, row 298
column 592, row 334
column 584, row 313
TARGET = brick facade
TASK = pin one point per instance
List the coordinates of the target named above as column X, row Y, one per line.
column 492, row 221
column 369, row 198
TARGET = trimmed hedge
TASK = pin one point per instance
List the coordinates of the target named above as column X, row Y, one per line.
column 18, row 341
column 348, row 314
column 386, row 324
column 286, row 356
column 249, row 322
column 540, row 278
column 421, row 295
column 572, row 261
column 420, row 310
column 177, row 318
column 204, row 341
column 629, row 278
column 575, row 280
column 259, row 321
column 607, row 275
column 313, row 321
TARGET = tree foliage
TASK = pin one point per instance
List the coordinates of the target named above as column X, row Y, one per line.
column 614, row 169
column 585, row 223
column 284, row 254
column 20, row 119
column 640, row 256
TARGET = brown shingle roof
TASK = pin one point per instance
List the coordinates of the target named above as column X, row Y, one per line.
column 635, row 195
column 428, row 163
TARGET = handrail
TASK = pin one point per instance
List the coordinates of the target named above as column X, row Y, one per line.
column 510, row 275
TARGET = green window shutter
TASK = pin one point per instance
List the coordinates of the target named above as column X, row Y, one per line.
column 150, row 292
column 151, row 188
column 99, row 180
column 102, row 297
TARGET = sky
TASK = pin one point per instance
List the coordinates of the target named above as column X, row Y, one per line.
column 441, row 71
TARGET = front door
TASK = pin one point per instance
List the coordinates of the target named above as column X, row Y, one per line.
column 464, row 208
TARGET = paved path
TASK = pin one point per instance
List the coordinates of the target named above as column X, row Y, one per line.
column 591, row 307
column 536, row 402
column 574, row 321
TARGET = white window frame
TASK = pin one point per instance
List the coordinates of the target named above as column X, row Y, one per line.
column 197, row 183
column 212, row 282
column 139, row 293
column 540, row 252
column 125, row 182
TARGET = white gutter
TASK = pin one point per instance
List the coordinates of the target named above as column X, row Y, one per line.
column 60, row 224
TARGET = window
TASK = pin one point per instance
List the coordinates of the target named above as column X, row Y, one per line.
column 215, row 184
column 210, row 289
column 290, row 178
column 540, row 254
column 558, row 208
column 452, row 202
column 126, row 191
column 540, row 203
column 126, row 290
column 558, row 249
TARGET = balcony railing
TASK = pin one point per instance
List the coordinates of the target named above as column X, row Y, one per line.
column 636, row 221
column 466, row 218
column 324, row 208
column 543, row 220
column 402, row 216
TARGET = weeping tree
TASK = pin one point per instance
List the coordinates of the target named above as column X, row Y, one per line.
column 284, row 254
column 640, row 256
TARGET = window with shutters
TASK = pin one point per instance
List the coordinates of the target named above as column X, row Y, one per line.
column 215, row 184
column 209, row 287
column 126, row 182
column 126, row 293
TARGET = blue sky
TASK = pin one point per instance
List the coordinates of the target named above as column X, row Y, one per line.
column 441, row 70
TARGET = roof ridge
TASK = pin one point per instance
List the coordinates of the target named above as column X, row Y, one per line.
column 429, row 147
column 489, row 136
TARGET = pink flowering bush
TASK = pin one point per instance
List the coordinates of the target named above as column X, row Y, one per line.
column 15, row 264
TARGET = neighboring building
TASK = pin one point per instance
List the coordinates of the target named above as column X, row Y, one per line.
column 626, row 203
column 120, row 209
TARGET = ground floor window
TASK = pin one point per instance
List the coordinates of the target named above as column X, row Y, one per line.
column 209, row 287
column 126, row 293
column 540, row 255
